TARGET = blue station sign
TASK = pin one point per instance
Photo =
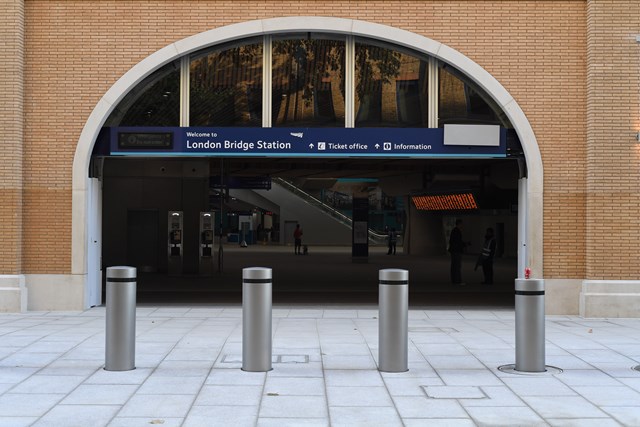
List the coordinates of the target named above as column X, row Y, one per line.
column 297, row 142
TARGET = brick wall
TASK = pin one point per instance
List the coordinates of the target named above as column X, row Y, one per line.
column 613, row 118
column 76, row 50
column 11, row 133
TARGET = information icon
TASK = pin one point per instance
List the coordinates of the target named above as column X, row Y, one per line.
column 386, row 146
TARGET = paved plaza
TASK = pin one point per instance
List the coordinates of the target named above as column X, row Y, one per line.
column 188, row 361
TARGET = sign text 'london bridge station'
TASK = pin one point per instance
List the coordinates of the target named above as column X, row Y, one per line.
column 300, row 142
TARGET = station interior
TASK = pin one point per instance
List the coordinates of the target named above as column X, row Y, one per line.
column 191, row 225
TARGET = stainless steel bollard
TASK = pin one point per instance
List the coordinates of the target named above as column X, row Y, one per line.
column 393, row 319
column 120, row 345
column 530, row 347
column 256, row 319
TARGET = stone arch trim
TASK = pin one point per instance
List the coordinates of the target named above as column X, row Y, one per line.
column 80, row 184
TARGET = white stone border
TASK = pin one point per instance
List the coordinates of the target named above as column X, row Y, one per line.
column 80, row 208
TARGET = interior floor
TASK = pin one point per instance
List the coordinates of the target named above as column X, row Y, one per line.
column 331, row 275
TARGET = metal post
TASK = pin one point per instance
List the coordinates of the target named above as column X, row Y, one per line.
column 530, row 348
column 393, row 330
column 256, row 319
column 120, row 346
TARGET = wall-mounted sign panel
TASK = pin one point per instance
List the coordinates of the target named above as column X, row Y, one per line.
column 445, row 202
column 297, row 142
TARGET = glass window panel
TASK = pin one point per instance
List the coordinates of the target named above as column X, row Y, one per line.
column 226, row 86
column 391, row 87
column 308, row 80
column 153, row 102
column 461, row 101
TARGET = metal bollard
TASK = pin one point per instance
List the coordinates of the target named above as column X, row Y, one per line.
column 393, row 319
column 120, row 345
column 530, row 348
column 256, row 319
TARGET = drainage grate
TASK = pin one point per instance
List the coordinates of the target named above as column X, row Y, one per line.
column 549, row 370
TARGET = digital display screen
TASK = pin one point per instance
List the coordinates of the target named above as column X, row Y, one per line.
column 445, row 202
column 162, row 140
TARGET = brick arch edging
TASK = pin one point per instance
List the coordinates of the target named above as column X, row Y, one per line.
column 80, row 180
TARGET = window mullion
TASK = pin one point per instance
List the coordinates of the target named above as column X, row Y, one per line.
column 349, row 90
column 267, row 81
column 184, row 91
column 432, row 89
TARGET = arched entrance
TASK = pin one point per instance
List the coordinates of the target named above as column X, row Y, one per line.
column 86, row 198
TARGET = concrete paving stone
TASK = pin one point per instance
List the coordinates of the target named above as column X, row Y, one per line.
column 619, row 371
column 438, row 349
column 358, row 396
column 536, row 386
column 455, row 362
column 563, row 407
column 157, row 406
column 145, row 421
column 345, row 349
column 566, row 362
column 454, row 392
column 373, row 314
column 78, row 416
column 626, row 415
column 344, row 378
column 135, row 376
column 609, row 395
column 185, row 368
column 171, row 385
column 229, row 395
column 47, row 346
column 587, row 377
column 221, row 416
column 17, row 421
column 13, row 375
column 29, row 360
column 497, row 396
column 443, row 314
column 235, row 377
column 472, row 377
column 292, row 422
column 306, row 313
column 440, row 422
column 306, row 370
column 100, row 394
column 507, row 417
column 634, row 383
column 235, row 313
column 293, row 407
column 5, row 387
column 48, row 384
column 583, row 422
column 603, row 356
column 349, row 362
column 294, row 386
column 423, row 407
column 207, row 354
column 356, row 416
column 340, row 314
column 409, row 386
column 32, row 405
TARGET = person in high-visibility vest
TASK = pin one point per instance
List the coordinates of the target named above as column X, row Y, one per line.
column 487, row 255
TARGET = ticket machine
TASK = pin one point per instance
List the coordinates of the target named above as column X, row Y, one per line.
column 175, row 244
column 207, row 224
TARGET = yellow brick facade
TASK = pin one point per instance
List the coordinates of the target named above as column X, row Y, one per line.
column 573, row 67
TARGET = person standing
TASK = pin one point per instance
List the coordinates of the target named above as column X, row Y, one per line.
column 487, row 255
column 297, row 239
column 456, row 248
column 392, row 238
